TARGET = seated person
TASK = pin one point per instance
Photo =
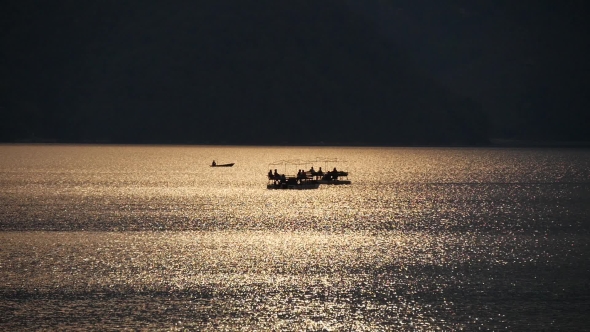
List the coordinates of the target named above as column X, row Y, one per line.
column 301, row 174
column 312, row 171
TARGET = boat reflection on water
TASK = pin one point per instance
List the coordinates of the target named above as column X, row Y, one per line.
column 304, row 179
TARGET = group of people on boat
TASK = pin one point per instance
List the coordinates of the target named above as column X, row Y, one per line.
column 330, row 175
column 301, row 174
column 276, row 176
column 313, row 174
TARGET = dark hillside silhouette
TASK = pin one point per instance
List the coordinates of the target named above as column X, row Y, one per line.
column 262, row 72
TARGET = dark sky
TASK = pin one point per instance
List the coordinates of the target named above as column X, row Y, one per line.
column 526, row 61
column 306, row 72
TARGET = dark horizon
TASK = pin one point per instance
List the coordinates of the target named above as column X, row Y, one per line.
column 330, row 73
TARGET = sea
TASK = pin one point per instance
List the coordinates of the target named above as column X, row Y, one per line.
column 139, row 237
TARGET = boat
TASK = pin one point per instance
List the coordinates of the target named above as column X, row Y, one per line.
column 214, row 164
column 310, row 179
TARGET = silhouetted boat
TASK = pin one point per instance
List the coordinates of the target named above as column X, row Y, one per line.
column 222, row 165
column 310, row 179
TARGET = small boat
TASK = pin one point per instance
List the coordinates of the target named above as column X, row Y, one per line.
column 222, row 165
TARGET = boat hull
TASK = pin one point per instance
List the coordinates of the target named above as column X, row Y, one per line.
column 334, row 182
column 293, row 183
column 293, row 186
column 223, row 165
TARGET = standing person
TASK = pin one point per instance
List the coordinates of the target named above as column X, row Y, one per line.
column 213, row 163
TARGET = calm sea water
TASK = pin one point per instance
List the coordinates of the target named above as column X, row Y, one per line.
column 151, row 237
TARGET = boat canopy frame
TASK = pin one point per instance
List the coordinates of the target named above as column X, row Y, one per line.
column 303, row 164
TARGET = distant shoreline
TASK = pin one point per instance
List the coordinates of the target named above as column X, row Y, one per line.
column 493, row 143
column 541, row 144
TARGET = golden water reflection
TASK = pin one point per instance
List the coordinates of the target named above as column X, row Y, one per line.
column 151, row 237
column 275, row 280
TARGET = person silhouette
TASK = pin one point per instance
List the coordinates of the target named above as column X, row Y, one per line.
column 334, row 174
